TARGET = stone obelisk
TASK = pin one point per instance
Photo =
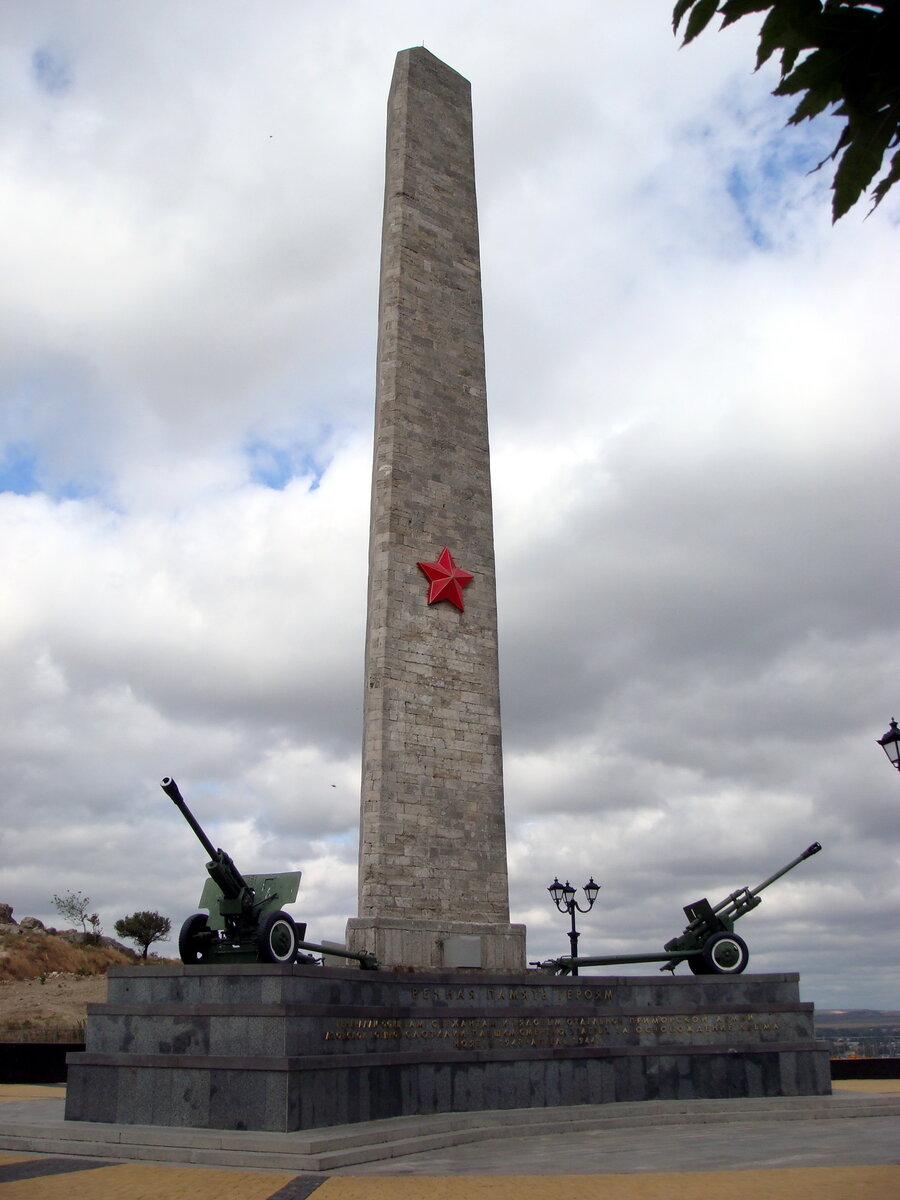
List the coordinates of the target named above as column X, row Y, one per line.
column 433, row 886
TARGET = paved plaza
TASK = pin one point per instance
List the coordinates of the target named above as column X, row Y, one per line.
column 787, row 1154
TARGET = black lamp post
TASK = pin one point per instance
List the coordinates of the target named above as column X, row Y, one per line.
column 890, row 744
column 563, row 895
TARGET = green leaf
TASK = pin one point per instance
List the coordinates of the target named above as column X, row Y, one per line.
column 678, row 12
column 884, row 185
column 792, row 26
column 772, row 35
column 789, row 57
column 733, row 10
column 804, row 17
column 812, row 104
column 858, row 165
column 844, row 140
column 820, row 70
column 701, row 15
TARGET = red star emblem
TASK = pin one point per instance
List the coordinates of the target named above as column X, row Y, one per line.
column 447, row 579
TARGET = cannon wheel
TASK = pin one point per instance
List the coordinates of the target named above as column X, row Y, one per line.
column 194, row 939
column 276, row 938
column 724, row 954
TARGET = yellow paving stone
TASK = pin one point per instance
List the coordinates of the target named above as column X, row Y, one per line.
column 145, row 1181
column 802, row 1183
column 888, row 1087
column 32, row 1091
column 6, row 1157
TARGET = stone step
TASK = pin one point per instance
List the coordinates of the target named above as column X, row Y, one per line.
column 527, row 1123
column 351, row 1145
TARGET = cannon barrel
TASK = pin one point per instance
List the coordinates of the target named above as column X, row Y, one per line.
column 221, row 868
column 751, row 892
column 170, row 787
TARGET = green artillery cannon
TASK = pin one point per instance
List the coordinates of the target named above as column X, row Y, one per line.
column 708, row 944
column 246, row 922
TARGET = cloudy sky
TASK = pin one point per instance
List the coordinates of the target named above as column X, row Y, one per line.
column 692, row 383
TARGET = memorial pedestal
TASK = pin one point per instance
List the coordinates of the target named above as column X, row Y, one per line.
column 260, row 1047
column 495, row 947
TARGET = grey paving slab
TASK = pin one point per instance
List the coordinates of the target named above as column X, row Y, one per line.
column 39, row 1168
column 298, row 1188
column 864, row 1141
column 32, row 1110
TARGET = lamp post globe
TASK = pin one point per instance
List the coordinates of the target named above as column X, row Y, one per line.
column 890, row 744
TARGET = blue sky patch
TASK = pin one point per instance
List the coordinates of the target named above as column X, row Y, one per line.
column 21, row 473
column 18, row 470
column 741, row 190
column 73, row 490
column 761, row 187
column 275, row 464
column 51, row 71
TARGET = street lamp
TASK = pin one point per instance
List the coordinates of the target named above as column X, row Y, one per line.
column 563, row 896
column 890, row 744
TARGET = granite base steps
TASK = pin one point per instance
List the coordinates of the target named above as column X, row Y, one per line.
column 323, row 1150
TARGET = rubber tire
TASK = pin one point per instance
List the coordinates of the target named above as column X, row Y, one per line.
column 192, row 944
column 698, row 964
column 276, row 938
column 736, row 954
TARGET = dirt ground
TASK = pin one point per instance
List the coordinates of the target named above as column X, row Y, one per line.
column 60, row 1001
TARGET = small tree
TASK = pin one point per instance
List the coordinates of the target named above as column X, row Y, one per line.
column 74, row 907
column 145, row 928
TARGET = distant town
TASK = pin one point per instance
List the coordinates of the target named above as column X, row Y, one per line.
column 860, row 1033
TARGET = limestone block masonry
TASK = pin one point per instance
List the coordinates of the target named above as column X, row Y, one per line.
column 248, row 1046
column 432, row 867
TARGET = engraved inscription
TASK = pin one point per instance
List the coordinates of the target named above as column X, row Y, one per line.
column 503, row 995
column 514, row 1033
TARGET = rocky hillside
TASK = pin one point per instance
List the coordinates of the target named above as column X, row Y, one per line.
column 48, row 976
column 28, row 949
